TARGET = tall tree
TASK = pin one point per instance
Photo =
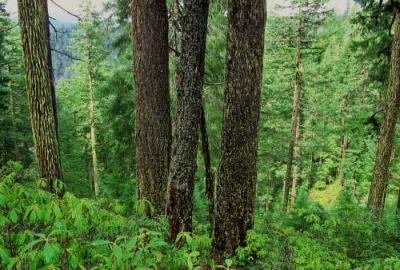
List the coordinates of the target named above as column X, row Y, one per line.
column 310, row 16
column 295, row 127
column 88, row 46
column 237, row 173
column 194, row 15
column 153, row 120
column 34, row 23
column 380, row 176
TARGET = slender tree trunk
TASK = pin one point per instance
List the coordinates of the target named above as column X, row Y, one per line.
column 398, row 203
column 190, row 83
column 380, row 176
column 34, row 22
column 13, row 120
column 353, row 186
column 295, row 116
column 237, row 173
column 153, row 120
column 175, row 25
column 205, row 148
column 295, row 166
column 342, row 159
column 93, row 129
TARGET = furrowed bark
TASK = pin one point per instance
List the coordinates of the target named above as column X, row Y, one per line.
column 153, row 120
column 380, row 176
column 237, row 173
column 189, row 86
column 34, row 21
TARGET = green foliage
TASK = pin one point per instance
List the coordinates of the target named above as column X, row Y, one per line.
column 38, row 230
column 344, row 80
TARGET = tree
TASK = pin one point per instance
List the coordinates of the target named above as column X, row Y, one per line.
column 34, row 23
column 310, row 15
column 153, row 120
column 87, row 45
column 295, row 127
column 237, row 173
column 189, row 108
column 380, row 176
column 15, row 131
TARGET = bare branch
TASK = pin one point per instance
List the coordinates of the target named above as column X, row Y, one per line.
column 67, row 55
column 67, row 11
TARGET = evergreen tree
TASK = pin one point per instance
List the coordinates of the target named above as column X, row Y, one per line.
column 388, row 128
column 34, row 23
column 309, row 17
column 153, row 121
column 237, row 173
column 189, row 111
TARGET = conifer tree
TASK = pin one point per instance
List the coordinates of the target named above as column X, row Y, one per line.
column 153, row 120
column 237, row 173
column 34, row 23
column 380, row 176
column 194, row 14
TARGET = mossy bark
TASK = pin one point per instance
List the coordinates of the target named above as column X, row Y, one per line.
column 34, row 23
column 153, row 120
column 194, row 15
column 237, row 173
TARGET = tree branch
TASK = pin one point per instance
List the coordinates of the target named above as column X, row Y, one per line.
column 62, row 8
column 67, row 55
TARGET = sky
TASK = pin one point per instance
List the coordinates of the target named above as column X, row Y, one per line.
column 74, row 7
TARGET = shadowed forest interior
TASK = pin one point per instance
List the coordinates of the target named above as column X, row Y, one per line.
column 200, row 134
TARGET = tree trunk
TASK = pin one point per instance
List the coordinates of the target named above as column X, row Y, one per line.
column 398, row 203
column 13, row 120
column 153, row 120
column 295, row 166
column 342, row 159
column 93, row 129
column 353, row 186
column 190, row 83
column 295, row 116
column 207, row 166
column 237, row 173
column 380, row 176
column 34, row 22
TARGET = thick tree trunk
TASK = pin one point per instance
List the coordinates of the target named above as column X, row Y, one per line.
column 153, row 120
column 380, row 176
column 93, row 129
column 205, row 148
column 295, row 116
column 189, row 86
column 237, row 173
column 34, row 21
column 295, row 167
column 343, row 152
